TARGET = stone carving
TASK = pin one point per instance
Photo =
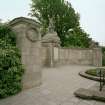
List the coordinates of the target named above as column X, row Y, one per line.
column 51, row 26
column 51, row 36
column 51, row 40
column 32, row 35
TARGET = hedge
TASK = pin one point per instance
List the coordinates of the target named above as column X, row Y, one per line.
column 11, row 68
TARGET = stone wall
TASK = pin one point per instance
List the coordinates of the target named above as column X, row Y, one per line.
column 45, row 56
column 80, row 56
column 97, row 56
column 66, row 56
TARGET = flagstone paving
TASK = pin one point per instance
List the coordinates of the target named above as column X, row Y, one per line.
column 57, row 89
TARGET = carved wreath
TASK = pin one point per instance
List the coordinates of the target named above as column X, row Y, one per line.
column 32, row 34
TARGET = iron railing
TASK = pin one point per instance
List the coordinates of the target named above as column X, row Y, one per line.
column 102, row 78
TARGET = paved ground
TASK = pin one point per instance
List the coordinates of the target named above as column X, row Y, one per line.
column 57, row 89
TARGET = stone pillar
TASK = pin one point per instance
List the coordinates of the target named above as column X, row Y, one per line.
column 51, row 48
column 56, row 56
column 31, row 58
column 28, row 41
column 97, row 57
column 51, row 40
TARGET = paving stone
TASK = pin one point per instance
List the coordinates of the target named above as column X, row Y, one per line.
column 75, row 100
column 90, row 102
column 100, row 103
column 83, row 103
column 58, row 87
column 68, row 103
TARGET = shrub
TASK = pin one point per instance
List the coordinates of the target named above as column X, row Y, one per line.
column 94, row 72
column 7, row 35
column 11, row 69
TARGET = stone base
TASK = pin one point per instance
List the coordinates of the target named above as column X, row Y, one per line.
column 90, row 94
column 31, row 80
column 85, row 75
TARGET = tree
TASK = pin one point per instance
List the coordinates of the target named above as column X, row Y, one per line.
column 77, row 37
column 62, row 13
column 0, row 21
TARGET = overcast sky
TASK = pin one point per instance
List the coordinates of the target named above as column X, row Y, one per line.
column 92, row 14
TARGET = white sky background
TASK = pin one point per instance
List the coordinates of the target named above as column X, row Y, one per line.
column 92, row 17
column 92, row 14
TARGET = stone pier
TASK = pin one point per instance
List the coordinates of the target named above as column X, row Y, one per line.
column 28, row 41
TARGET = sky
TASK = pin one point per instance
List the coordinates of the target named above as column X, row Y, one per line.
column 92, row 14
column 92, row 17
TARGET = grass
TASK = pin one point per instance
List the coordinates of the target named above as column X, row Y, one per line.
column 94, row 72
